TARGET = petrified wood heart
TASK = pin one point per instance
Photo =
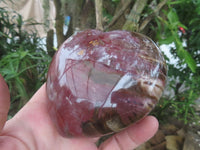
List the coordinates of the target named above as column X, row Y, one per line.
column 101, row 82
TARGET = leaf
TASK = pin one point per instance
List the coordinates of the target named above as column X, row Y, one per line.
column 172, row 17
column 176, row 2
column 188, row 59
column 167, row 40
column 195, row 20
column 115, row 0
column 182, row 25
column 23, row 54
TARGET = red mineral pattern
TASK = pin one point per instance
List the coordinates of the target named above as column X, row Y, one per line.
column 101, row 82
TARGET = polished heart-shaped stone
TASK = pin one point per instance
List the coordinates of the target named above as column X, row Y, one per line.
column 101, row 82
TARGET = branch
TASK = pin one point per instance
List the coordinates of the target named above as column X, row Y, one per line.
column 59, row 22
column 98, row 7
column 131, row 23
column 118, row 14
column 150, row 17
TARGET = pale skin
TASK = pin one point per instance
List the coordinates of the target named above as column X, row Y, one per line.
column 32, row 129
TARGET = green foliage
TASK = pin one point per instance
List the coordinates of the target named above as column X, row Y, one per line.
column 182, row 105
column 109, row 10
column 106, row 16
column 184, row 77
column 171, row 28
column 115, row 1
column 23, row 61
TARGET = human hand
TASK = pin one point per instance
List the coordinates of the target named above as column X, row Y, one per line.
column 32, row 129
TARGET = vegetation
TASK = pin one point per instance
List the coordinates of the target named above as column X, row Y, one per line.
column 184, row 77
column 165, row 21
column 24, row 63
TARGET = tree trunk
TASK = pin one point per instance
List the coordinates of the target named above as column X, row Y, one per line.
column 49, row 42
column 82, row 13
column 87, row 15
column 98, row 7
column 59, row 23
column 132, row 22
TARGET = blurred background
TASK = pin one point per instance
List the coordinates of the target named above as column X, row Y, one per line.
column 32, row 30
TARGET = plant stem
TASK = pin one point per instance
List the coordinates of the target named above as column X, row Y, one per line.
column 98, row 7
column 150, row 17
column 118, row 14
column 132, row 22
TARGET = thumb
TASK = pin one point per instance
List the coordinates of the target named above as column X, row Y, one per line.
column 4, row 102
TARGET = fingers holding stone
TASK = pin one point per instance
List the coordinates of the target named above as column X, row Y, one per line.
column 4, row 102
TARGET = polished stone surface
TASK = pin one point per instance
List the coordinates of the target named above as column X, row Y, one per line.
column 101, row 82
